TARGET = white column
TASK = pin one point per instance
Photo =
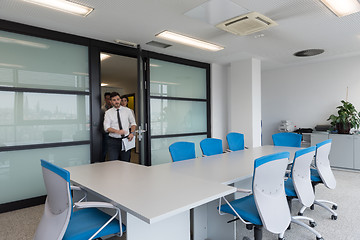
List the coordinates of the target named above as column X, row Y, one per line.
column 219, row 108
column 244, row 88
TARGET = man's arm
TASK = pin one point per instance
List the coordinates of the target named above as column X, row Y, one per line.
column 132, row 133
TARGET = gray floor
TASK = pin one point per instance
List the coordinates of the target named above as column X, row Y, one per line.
column 21, row 224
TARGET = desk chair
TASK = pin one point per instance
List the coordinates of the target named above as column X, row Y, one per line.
column 211, row 146
column 323, row 174
column 59, row 221
column 182, row 151
column 235, row 141
column 287, row 139
column 298, row 186
column 267, row 205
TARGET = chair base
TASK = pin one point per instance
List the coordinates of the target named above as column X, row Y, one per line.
column 257, row 231
column 321, row 204
column 295, row 219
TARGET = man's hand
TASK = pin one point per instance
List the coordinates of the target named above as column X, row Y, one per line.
column 121, row 132
column 131, row 136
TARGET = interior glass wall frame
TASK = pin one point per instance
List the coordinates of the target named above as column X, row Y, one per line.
column 172, row 89
column 39, row 68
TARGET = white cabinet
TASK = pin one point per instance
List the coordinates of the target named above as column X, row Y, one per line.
column 357, row 152
column 318, row 138
column 345, row 149
column 342, row 150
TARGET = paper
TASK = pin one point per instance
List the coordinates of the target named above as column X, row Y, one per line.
column 126, row 144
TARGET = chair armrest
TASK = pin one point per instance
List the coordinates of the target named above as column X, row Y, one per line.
column 101, row 205
column 94, row 205
column 243, row 190
column 77, row 188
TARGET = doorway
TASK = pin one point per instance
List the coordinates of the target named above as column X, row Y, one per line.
column 120, row 74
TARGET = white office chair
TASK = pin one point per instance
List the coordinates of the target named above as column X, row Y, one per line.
column 267, row 206
column 323, row 174
column 298, row 186
column 59, row 221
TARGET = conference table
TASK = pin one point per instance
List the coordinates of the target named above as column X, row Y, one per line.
column 157, row 200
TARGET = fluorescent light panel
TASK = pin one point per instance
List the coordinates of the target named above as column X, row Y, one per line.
column 175, row 37
column 342, row 7
column 65, row 6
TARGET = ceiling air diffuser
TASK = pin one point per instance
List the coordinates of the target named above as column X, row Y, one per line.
column 247, row 24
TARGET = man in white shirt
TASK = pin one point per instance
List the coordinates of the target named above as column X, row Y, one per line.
column 120, row 123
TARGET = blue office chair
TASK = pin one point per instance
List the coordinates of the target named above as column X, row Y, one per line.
column 235, row 141
column 182, row 151
column 287, row 139
column 298, row 186
column 267, row 205
column 323, row 174
column 59, row 221
column 211, row 146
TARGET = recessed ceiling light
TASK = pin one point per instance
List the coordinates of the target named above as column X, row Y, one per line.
column 64, row 6
column 104, row 84
column 104, row 56
column 175, row 37
column 342, row 7
column 309, row 52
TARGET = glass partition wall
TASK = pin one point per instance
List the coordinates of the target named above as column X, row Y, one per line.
column 178, row 107
column 44, row 105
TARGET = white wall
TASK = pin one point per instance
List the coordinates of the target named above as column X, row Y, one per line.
column 308, row 94
column 219, row 103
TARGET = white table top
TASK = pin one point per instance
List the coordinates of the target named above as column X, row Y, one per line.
column 224, row 168
column 151, row 194
column 157, row 192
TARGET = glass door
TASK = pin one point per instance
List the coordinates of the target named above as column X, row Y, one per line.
column 179, row 106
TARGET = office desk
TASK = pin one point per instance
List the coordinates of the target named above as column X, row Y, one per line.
column 234, row 168
column 157, row 199
column 157, row 202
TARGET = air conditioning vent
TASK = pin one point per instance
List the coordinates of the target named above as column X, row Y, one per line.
column 247, row 24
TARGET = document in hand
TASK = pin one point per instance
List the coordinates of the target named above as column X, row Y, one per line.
column 128, row 144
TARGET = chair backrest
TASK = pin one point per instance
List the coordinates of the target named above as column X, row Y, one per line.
column 287, row 139
column 235, row 141
column 182, row 151
column 269, row 191
column 58, row 205
column 322, row 163
column 211, row 146
column 301, row 177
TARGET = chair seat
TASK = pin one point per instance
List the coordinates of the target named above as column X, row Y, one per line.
column 315, row 177
column 289, row 188
column 85, row 222
column 246, row 208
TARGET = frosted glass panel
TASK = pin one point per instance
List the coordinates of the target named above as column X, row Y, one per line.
column 20, row 171
column 176, row 80
column 31, row 62
column 160, row 148
column 34, row 118
column 175, row 116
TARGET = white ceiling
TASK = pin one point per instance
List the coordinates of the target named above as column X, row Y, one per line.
column 303, row 24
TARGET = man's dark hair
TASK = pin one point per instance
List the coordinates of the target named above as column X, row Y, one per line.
column 114, row 94
column 107, row 94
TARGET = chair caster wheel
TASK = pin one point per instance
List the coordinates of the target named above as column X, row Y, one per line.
column 300, row 214
column 312, row 207
column 333, row 217
column 312, row 224
column 334, row 207
column 246, row 238
column 317, row 238
column 281, row 238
